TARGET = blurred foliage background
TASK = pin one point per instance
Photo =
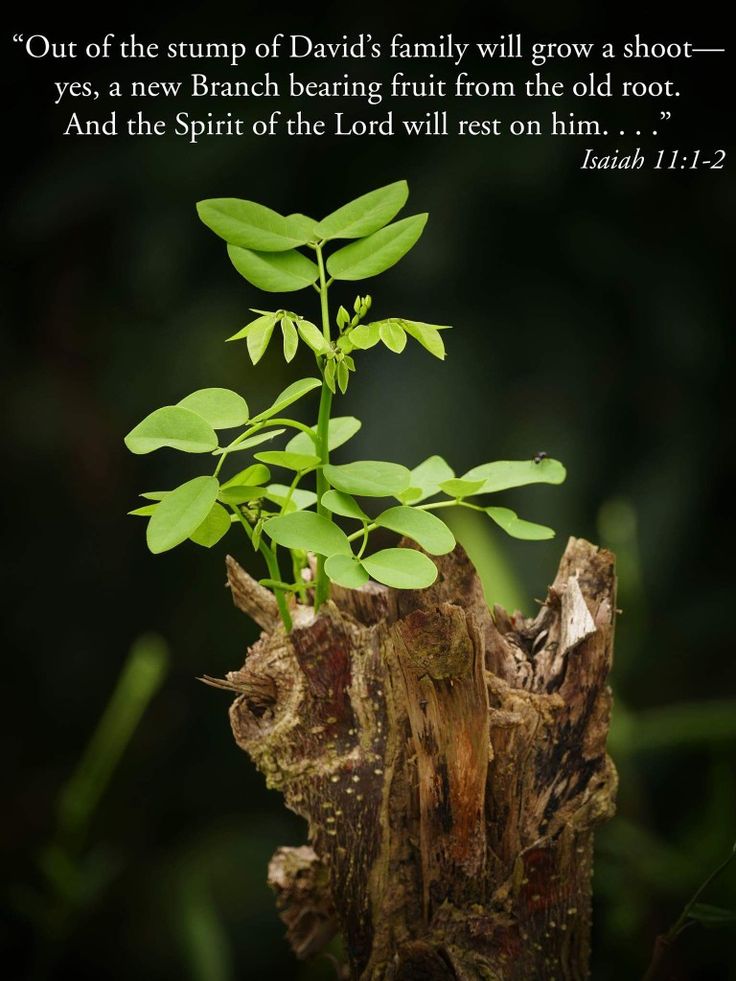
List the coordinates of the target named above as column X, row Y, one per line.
column 592, row 320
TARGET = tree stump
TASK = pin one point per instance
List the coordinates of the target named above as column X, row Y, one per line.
column 451, row 765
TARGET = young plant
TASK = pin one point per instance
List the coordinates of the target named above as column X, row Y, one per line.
column 265, row 248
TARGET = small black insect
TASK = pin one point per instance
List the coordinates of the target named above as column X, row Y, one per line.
column 541, row 455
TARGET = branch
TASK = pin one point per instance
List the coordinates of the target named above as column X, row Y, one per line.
column 250, row 597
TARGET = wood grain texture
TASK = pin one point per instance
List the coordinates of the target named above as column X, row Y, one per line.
column 451, row 765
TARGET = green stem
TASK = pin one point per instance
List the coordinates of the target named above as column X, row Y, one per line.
column 272, row 563
column 681, row 922
column 322, row 585
column 251, row 430
column 292, row 487
column 367, row 529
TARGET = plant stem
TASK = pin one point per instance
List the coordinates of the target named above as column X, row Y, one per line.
column 367, row 529
column 272, row 564
column 322, row 585
column 253, row 429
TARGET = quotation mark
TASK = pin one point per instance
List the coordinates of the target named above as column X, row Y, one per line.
column 17, row 37
column 665, row 115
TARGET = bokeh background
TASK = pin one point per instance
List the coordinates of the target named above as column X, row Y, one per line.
column 592, row 320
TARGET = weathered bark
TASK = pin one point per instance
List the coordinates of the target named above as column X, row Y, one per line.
column 451, row 765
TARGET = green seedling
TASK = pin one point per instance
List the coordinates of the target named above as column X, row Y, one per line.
column 330, row 520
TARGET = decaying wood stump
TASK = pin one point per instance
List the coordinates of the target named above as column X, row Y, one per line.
column 451, row 765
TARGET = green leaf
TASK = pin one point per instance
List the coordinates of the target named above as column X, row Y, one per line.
column 402, row 568
column 252, row 226
column 457, row 487
column 253, row 475
column 172, row 426
column 257, row 530
column 304, row 227
column 503, row 474
column 518, row 528
column 426, row 477
column 213, row 528
column 428, row 336
column 154, row 495
column 241, row 493
column 290, row 461
column 145, row 512
column 290, row 394
column 251, row 441
column 181, row 513
column 255, row 325
column 309, row 531
column 330, row 375
column 365, row 336
column 278, row 493
column 392, row 335
column 220, row 407
column 381, row 250
column 365, row 214
column 343, row 376
column 368, row 478
column 312, row 336
column 259, row 338
column 711, row 915
column 422, row 527
column 343, row 504
column 274, row 272
column 291, row 338
column 341, row 429
column 346, row 571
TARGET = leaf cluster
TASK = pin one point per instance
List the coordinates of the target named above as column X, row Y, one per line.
column 336, row 516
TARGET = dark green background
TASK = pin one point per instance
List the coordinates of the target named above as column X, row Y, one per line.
column 592, row 320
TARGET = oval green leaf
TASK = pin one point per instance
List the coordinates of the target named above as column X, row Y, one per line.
column 181, row 513
column 173, row 426
column 312, row 336
column 252, row 476
column 365, row 214
column 392, row 335
column 428, row 336
column 221, row 407
column 365, row 336
column 213, row 528
column 303, row 227
column 290, row 394
column 402, row 568
column 518, row 528
column 460, row 487
column 299, row 499
column 252, row 226
column 290, row 461
column 274, row 272
column 343, row 504
column 426, row 477
column 241, row 493
column 291, row 338
column 381, row 250
column 258, row 324
column 341, row 429
column 422, row 527
column 503, row 474
column 346, row 571
column 259, row 338
column 308, row 531
column 368, row 478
